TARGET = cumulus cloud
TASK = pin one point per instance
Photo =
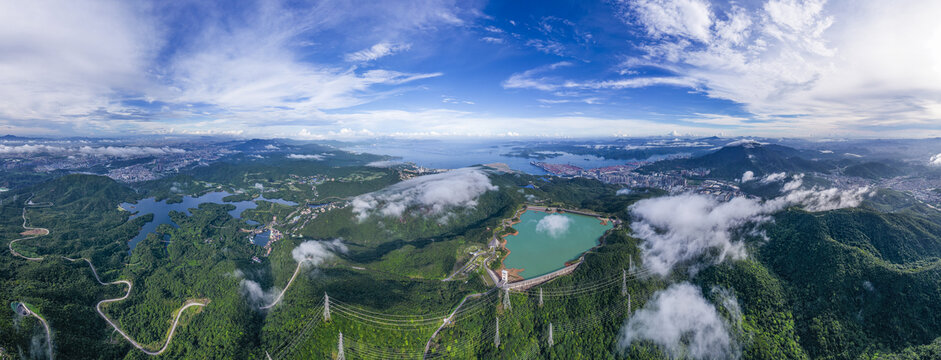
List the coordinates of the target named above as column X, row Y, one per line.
column 782, row 58
column 306, row 156
column 684, row 227
column 935, row 160
column 794, row 184
column 687, row 227
column 624, row 191
column 432, row 194
column 748, row 176
column 773, row 177
column 555, row 225
column 686, row 325
column 316, row 252
column 272, row 147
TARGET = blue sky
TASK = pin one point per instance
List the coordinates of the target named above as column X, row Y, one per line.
column 350, row 69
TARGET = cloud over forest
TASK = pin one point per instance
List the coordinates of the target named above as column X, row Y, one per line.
column 433, row 195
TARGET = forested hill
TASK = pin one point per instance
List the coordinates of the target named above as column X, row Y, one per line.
column 730, row 162
column 858, row 281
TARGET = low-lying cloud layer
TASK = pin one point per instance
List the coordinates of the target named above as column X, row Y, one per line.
column 384, row 163
column 306, row 156
column 773, row 177
column 935, row 160
column 113, row 151
column 686, row 227
column 686, row 325
column 255, row 294
column 554, row 225
column 316, row 252
column 309, row 253
column 432, row 194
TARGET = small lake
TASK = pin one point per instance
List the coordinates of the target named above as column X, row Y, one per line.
column 161, row 210
column 547, row 241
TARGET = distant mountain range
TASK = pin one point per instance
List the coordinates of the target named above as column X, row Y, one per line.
column 730, row 162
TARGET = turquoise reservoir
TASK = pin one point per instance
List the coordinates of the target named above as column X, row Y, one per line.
column 547, row 241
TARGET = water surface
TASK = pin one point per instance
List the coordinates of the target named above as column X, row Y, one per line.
column 539, row 250
column 443, row 155
column 161, row 210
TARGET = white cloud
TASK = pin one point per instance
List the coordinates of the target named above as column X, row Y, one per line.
column 255, row 294
column 528, row 80
column 272, row 147
column 547, row 46
column 748, row 176
column 683, row 18
column 69, row 66
column 65, row 60
column 430, row 194
column 773, row 177
column 624, row 191
column 532, row 79
column 377, row 51
column 826, row 199
column 315, row 253
column 30, row 149
column 554, row 225
column 690, row 227
column 306, row 156
column 492, row 40
column 681, row 321
column 935, row 160
column 384, row 163
column 112, row 151
column 309, row 253
column 856, row 66
column 684, row 227
column 794, row 184
column 748, row 143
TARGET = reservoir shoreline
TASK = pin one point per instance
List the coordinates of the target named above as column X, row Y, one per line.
column 515, row 271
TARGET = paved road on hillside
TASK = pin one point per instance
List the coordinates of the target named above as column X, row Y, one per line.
column 101, row 313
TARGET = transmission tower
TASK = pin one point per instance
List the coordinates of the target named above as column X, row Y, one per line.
column 340, row 355
column 540, row 297
column 629, row 309
column 506, row 300
column 623, row 282
column 496, row 338
column 550, row 335
column 326, row 308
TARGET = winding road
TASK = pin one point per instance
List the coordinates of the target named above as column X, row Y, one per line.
column 101, row 313
column 25, row 311
column 288, row 286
